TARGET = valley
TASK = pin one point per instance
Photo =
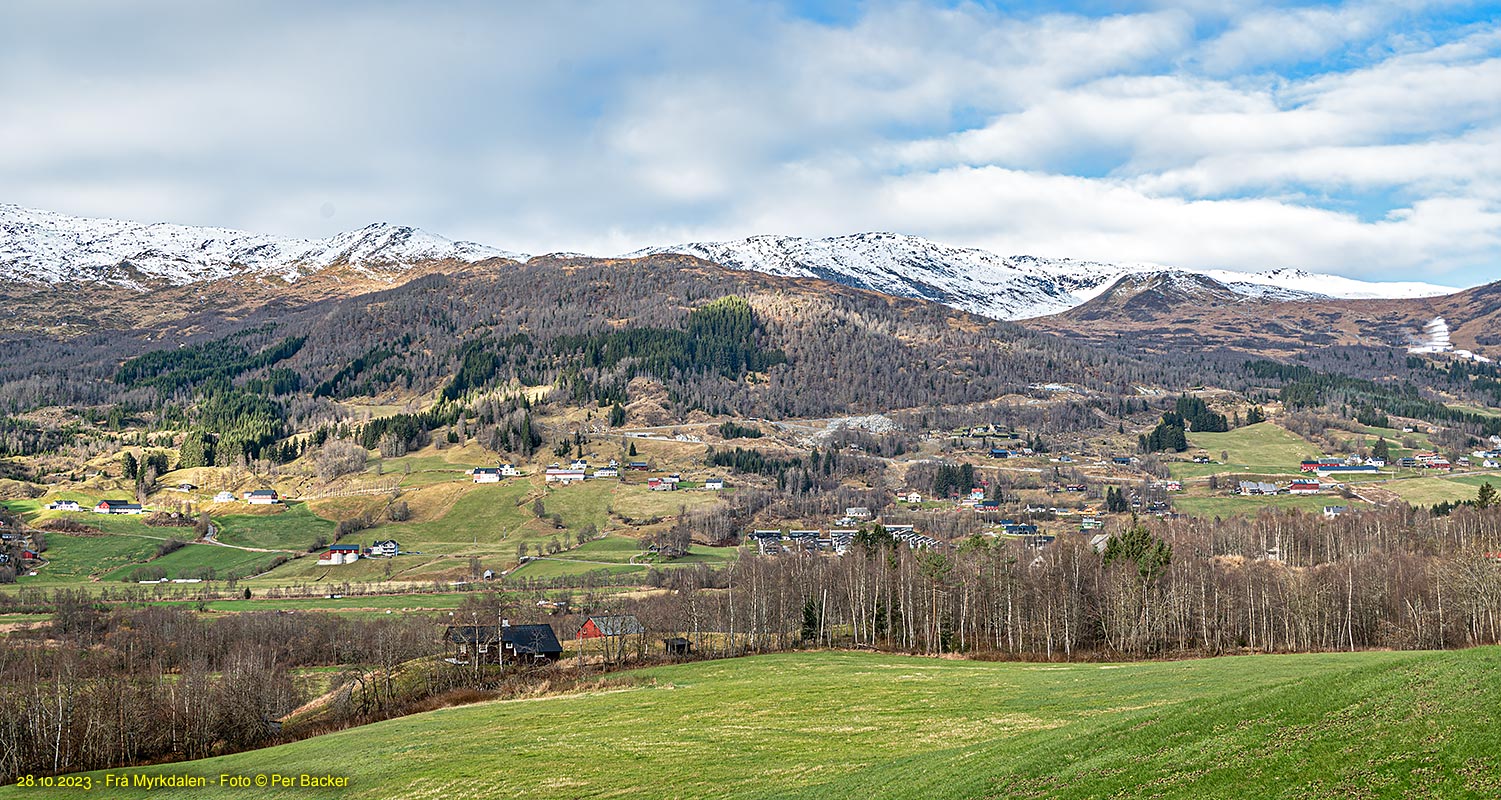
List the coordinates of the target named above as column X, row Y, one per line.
column 328, row 503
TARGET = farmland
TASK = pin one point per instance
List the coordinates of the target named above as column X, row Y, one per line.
column 848, row 725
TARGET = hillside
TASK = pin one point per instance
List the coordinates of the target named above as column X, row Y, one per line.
column 1000, row 287
column 1159, row 314
column 849, row 725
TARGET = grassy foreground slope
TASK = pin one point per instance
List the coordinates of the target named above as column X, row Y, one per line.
column 849, row 725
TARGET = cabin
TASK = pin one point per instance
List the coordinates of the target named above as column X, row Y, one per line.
column 610, row 626
column 1124, row 461
column 117, row 507
column 340, row 554
column 1076, row 487
column 677, row 646
column 1304, row 487
column 64, row 505
column 714, row 484
column 185, row 487
column 486, row 474
column 262, row 497
column 384, row 549
column 224, row 497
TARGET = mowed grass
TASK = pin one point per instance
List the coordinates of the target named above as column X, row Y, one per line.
column 832, row 725
column 1264, row 448
column 1237, row 505
column 294, row 528
column 1428, row 491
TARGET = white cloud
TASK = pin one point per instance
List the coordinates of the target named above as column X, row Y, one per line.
column 605, row 128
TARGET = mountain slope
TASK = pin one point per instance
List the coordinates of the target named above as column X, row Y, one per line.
column 46, row 247
column 1164, row 311
column 1012, row 287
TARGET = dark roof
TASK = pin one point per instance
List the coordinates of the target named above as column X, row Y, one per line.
column 625, row 625
column 119, row 504
column 263, row 493
column 472, row 634
column 530, row 639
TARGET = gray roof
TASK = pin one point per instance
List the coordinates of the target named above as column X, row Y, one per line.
column 623, row 625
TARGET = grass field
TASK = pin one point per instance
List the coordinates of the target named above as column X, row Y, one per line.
column 846, row 725
column 294, row 528
column 1236, row 505
column 1427, row 491
column 1264, row 448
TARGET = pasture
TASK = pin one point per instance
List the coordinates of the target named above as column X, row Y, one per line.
column 858, row 725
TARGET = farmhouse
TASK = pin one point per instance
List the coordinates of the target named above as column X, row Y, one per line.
column 661, row 485
column 714, row 484
column 605, row 627
column 911, row 497
column 1304, row 487
column 385, row 549
column 63, row 505
column 529, row 644
column 486, row 474
column 117, row 507
column 1346, row 469
column 580, row 465
column 607, row 472
column 638, row 466
column 262, row 497
column 224, row 497
column 557, row 474
column 340, row 554
column 509, row 471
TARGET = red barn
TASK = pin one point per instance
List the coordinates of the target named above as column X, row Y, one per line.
column 600, row 627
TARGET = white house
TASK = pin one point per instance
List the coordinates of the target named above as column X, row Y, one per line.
column 1491, row 463
column 510, row 471
column 660, row 485
column 224, row 497
column 579, row 464
column 607, row 472
column 857, row 512
column 262, row 497
column 1330, row 512
column 64, row 505
column 486, row 474
column 714, row 484
column 911, row 497
column 385, row 549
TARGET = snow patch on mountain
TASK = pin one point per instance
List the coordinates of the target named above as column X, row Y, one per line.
column 1001, row 287
column 47, row 247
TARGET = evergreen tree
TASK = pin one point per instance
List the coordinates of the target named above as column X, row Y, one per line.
column 128, row 466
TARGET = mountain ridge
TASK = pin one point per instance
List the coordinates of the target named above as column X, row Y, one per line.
column 44, row 247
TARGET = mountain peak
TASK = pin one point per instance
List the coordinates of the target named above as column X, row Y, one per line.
column 1010, row 287
column 49, row 247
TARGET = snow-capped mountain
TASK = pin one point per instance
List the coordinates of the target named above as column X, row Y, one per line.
column 1002, row 287
column 46, row 247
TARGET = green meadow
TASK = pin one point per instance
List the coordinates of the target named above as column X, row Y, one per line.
column 1264, row 449
column 831, row 725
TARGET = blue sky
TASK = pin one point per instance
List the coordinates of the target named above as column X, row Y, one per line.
column 1362, row 138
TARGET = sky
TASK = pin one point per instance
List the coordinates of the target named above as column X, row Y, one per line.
column 1359, row 138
